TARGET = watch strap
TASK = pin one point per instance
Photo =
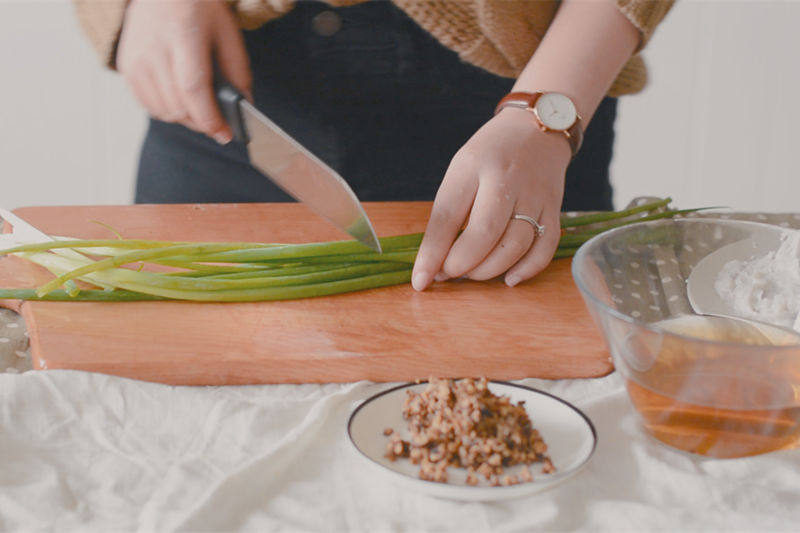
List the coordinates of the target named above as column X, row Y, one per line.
column 574, row 133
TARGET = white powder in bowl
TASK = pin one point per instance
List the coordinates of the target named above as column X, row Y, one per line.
column 767, row 288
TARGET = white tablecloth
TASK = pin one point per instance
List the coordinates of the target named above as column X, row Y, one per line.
column 81, row 451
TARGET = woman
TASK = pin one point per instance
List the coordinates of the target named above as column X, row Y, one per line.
column 386, row 93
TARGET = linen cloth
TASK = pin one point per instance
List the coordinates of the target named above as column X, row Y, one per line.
column 89, row 452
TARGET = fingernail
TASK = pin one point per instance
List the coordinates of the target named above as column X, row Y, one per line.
column 441, row 276
column 420, row 280
column 223, row 137
column 512, row 280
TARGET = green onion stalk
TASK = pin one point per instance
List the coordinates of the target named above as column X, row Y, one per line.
column 124, row 270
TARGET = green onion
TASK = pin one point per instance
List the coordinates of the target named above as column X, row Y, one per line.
column 245, row 272
column 92, row 295
column 143, row 292
column 571, row 240
column 604, row 216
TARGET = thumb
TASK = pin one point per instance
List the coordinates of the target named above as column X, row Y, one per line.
column 231, row 56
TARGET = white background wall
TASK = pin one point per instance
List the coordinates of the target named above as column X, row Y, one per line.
column 69, row 131
column 715, row 127
column 718, row 123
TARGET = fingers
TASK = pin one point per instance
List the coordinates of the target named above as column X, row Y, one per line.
column 166, row 52
column 164, row 81
column 146, row 92
column 232, row 57
column 487, row 223
column 507, row 164
column 144, row 84
column 540, row 254
column 450, row 209
column 194, row 75
column 514, row 244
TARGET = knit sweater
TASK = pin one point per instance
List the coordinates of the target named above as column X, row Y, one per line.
column 497, row 35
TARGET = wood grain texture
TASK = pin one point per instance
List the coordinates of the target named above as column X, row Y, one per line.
column 538, row 329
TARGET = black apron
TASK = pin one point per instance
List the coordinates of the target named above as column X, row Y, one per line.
column 370, row 93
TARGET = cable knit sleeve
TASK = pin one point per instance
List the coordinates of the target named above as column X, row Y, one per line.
column 645, row 15
column 101, row 21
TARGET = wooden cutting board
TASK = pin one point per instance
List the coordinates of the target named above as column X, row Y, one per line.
column 537, row 329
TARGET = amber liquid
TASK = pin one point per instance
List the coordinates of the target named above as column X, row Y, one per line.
column 720, row 402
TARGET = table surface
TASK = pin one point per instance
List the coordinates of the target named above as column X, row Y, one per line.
column 94, row 452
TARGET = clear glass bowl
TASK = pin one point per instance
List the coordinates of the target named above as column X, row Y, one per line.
column 706, row 385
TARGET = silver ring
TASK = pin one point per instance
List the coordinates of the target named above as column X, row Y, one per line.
column 538, row 228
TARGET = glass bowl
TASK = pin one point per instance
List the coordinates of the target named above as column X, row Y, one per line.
column 707, row 385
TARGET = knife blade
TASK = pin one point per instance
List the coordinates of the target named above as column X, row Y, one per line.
column 293, row 168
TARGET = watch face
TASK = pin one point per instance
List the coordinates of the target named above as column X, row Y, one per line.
column 555, row 111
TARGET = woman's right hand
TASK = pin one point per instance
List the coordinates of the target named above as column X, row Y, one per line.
column 167, row 52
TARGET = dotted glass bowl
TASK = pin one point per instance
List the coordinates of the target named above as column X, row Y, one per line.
column 698, row 383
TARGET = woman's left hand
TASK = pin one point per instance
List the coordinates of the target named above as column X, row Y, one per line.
column 508, row 167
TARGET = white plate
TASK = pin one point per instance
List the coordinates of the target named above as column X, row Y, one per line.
column 568, row 433
column 701, row 284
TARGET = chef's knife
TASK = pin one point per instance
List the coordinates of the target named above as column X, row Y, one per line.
column 293, row 168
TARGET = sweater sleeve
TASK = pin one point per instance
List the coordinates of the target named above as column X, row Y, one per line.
column 645, row 15
column 101, row 21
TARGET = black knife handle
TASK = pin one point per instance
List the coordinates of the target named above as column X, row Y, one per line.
column 229, row 98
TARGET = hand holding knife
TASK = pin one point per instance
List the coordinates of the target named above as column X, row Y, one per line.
column 293, row 168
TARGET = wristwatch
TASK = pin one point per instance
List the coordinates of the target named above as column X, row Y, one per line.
column 553, row 111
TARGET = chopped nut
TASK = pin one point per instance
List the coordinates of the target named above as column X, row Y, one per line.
column 486, row 470
column 462, row 424
column 526, row 475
